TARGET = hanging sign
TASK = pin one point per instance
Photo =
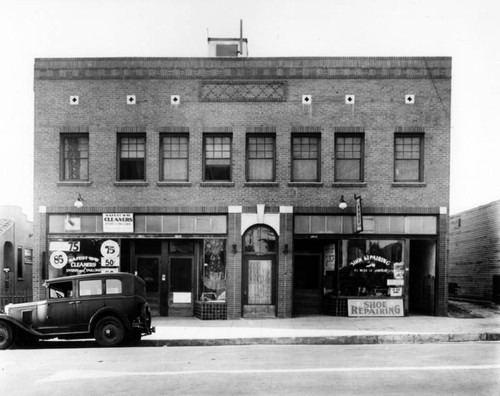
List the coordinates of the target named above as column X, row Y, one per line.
column 118, row 222
column 359, row 214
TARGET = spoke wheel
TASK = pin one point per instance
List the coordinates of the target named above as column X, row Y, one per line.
column 109, row 331
column 6, row 335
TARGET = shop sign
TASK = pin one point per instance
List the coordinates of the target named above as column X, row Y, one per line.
column 375, row 307
column 118, row 222
column 359, row 214
column 85, row 256
column 395, row 282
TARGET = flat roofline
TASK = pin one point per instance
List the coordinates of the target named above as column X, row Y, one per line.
column 226, row 39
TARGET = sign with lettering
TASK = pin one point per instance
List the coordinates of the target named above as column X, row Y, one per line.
column 359, row 214
column 118, row 222
column 375, row 307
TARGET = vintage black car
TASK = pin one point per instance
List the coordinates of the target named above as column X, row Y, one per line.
column 110, row 307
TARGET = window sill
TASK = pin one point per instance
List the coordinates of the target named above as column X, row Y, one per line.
column 173, row 184
column 349, row 184
column 73, row 183
column 217, row 184
column 409, row 184
column 305, row 184
column 261, row 184
column 131, row 183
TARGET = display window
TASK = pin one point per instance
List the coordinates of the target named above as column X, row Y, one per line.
column 213, row 271
column 372, row 268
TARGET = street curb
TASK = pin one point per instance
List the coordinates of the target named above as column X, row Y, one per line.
column 328, row 340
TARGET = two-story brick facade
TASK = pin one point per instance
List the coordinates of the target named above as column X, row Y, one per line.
column 218, row 180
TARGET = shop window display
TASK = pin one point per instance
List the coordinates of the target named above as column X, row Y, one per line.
column 214, row 270
column 367, row 267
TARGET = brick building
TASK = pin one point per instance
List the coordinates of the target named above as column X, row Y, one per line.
column 218, row 180
column 474, row 258
column 16, row 255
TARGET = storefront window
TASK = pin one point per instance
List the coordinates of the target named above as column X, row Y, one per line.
column 371, row 268
column 213, row 271
column 260, row 240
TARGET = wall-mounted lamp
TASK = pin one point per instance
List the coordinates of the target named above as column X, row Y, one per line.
column 285, row 248
column 69, row 220
column 79, row 201
column 342, row 203
column 235, row 248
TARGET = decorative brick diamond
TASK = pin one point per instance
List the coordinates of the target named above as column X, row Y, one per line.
column 306, row 99
column 349, row 99
column 131, row 99
column 242, row 92
column 74, row 100
column 409, row 99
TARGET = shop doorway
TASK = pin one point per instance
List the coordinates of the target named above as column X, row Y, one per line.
column 307, row 284
column 180, row 286
column 259, row 272
column 422, row 277
column 148, row 268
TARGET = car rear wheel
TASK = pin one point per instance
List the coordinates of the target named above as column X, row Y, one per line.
column 6, row 335
column 109, row 331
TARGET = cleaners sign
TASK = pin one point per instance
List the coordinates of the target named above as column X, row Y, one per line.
column 118, row 222
column 375, row 307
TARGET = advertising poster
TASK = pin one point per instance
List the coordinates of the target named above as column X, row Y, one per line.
column 83, row 256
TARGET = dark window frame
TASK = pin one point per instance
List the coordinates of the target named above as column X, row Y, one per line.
column 248, row 155
column 230, row 159
column 361, row 160
column 120, row 137
column 293, row 159
column 65, row 175
column 162, row 156
column 420, row 137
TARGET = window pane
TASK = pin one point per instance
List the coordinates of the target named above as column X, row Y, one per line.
column 175, row 169
column 217, row 158
column 75, row 157
column 407, row 170
column 305, row 170
column 113, row 286
column 90, row 287
column 348, row 170
column 260, row 240
column 132, row 158
column 260, row 170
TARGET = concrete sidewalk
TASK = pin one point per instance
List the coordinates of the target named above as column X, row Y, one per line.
column 321, row 330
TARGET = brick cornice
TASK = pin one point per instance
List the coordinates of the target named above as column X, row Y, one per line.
column 243, row 68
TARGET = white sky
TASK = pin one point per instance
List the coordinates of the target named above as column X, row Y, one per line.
column 466, row 30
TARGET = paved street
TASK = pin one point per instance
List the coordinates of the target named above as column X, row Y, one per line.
column 444, row 369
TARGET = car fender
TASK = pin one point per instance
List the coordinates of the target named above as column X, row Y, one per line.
column 107, row 311
column 19, row 325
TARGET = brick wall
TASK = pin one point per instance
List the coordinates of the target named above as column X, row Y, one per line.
column 379, row 86
column 475, row 250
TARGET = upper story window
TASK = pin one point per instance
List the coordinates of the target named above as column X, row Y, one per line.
column 408, row 158
column 261, row 162
column 217, row 158
column 174, row 157
column 132, row 155
column 306, row 158
column 349, row 157
column 74, row 157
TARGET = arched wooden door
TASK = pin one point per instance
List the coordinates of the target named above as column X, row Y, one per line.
column 260, row 247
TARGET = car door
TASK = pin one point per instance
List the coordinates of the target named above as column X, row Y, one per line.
column 61, row 312
column 90, row 299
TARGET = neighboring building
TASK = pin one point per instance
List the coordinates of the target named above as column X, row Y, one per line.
column 16, row 255
column 474, row 258
column 218, row 180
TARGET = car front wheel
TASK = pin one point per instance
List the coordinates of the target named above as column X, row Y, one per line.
column 6, row 335
column 109, row 331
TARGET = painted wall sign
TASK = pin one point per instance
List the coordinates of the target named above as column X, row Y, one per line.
column 376, row 307
column 118, row 222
